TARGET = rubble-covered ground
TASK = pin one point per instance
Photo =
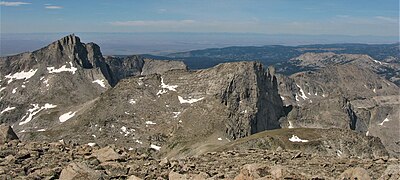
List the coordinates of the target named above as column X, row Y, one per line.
column 33, row 160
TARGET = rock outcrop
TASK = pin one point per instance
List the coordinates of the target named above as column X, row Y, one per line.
column 7, row 134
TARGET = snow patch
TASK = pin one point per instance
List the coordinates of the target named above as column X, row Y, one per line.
column 283, row 98
column 14, row 90
column 166, row 87
column 385, row 120
column 377, row 62
column 139, row 142
column 125, row 130
column 2, row 89
column 100, row 82
column 290, row 125
column 150, row 122
column 63, row 68
column 303, row 95
column 21, row 75
column 189, row 101
column 339, row 153
column 33, row 111
column 219, row 139
column 66, row 116
column 41, row 130
column 46, row 82
column 155, row 147
column 132, row 101
column 367, row 133
column 176, row 114
column 374, row 90
column 294, row 138
column 91, row 144
column 7, row 109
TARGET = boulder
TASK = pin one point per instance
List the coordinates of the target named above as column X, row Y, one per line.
column 253, row 171
column 114, row 169
column 133, row 177
column 106, row 154
column 79, row 171
column 355, row 173
column 177, row 176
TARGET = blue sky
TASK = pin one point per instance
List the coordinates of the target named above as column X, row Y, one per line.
column 309, row 17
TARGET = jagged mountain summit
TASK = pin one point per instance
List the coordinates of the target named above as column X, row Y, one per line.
column 53, row 83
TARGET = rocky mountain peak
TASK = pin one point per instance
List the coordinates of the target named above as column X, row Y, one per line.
column 69, row 40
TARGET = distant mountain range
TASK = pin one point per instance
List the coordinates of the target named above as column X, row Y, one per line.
column 384, row 58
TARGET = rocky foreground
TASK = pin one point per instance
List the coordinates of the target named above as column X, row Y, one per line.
column 59, row 160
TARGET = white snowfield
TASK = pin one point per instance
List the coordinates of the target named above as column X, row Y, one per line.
column 91, row 144
column 100, row 82
column 63, row 68
column 294, row 138
column 21, row 75
column 66, row 116
column 189, row 101
column 33, row 111
column 7, row 109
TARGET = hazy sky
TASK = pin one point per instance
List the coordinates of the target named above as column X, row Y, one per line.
column 339, row 17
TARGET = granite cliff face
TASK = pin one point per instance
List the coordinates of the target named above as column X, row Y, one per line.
column 179, row 110
column 346, row 97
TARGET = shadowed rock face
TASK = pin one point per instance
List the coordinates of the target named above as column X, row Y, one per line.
column 7, row 134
